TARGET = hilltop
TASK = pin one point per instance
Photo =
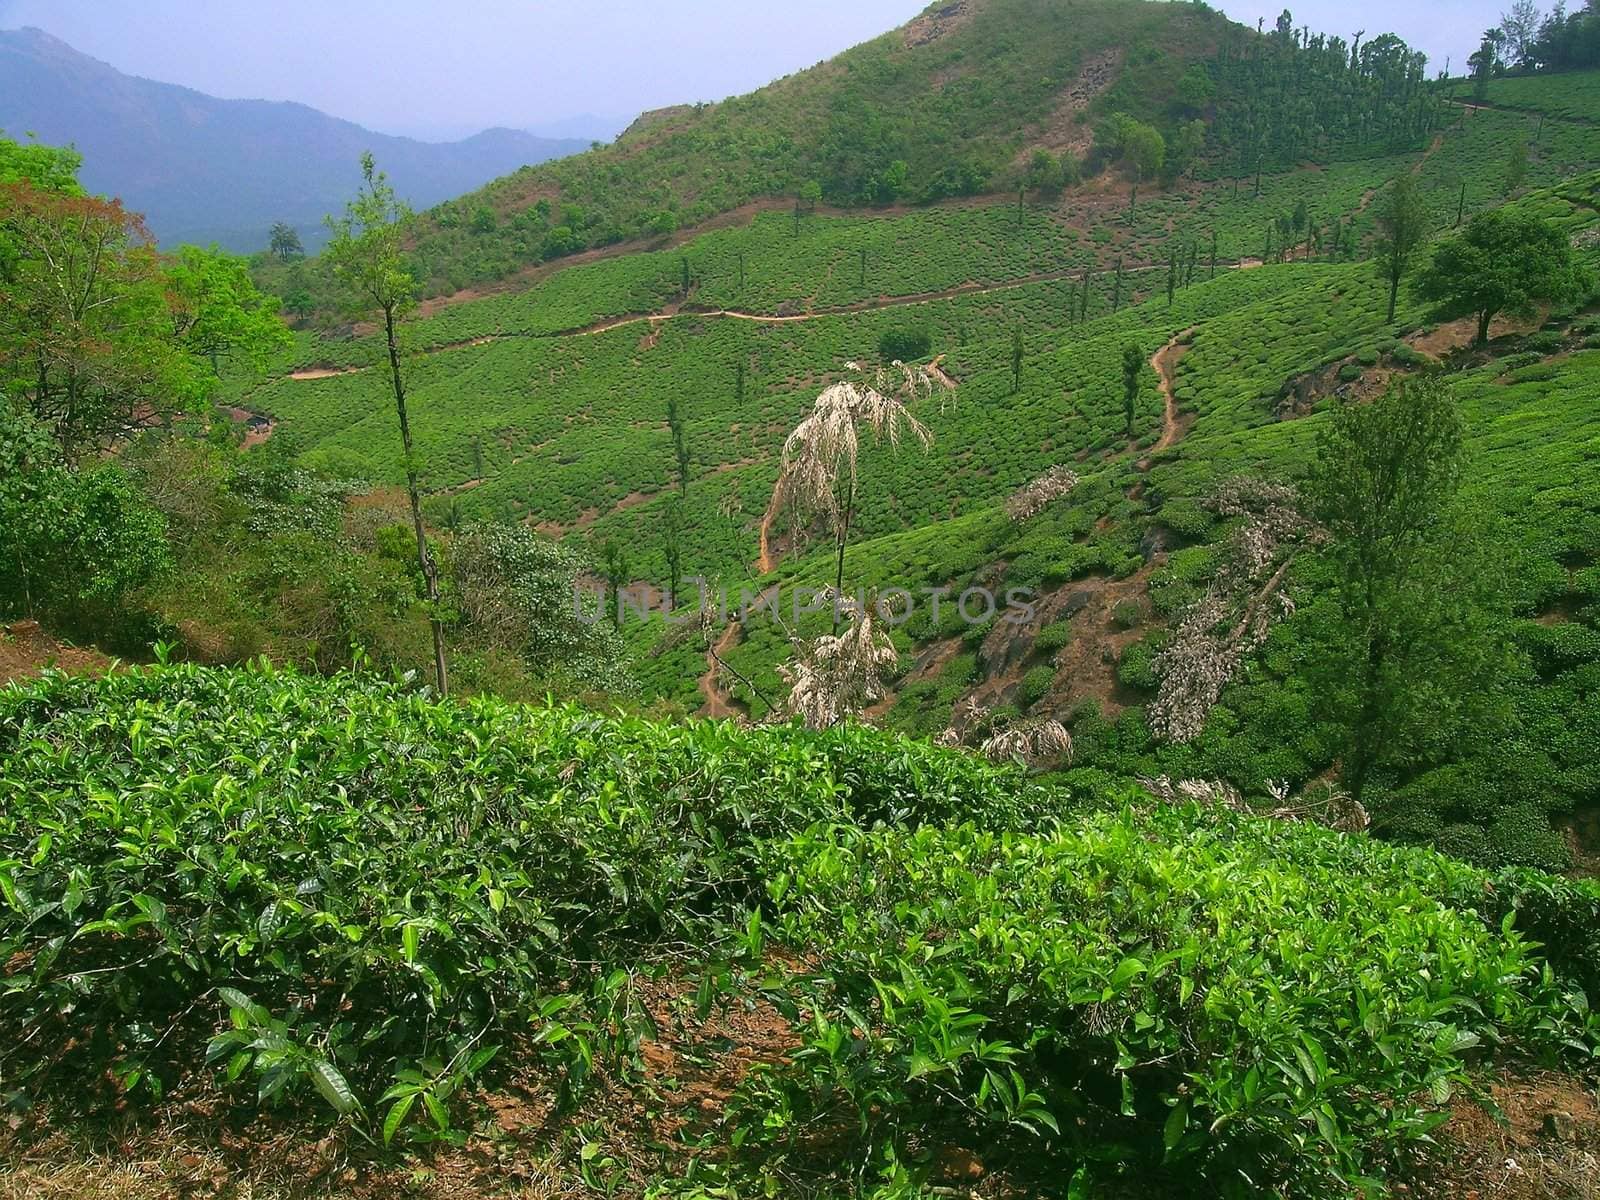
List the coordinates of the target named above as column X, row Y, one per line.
column 202, row 169
column 941, row 107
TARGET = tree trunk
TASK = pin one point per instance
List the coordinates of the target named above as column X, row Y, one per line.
column 430, row 572
column 1483, row 327
column 844, row 536
column 1394, row 294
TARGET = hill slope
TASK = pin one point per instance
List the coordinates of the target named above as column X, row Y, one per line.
column 569, row 382
column 940, row 107
column 203, row 169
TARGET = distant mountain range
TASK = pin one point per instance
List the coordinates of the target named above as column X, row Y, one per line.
column 203, row 169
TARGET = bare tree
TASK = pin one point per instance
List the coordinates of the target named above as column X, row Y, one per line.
column 818, row 472
column 840, row 674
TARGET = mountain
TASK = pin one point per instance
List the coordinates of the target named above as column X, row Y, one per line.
column 940, row 107
column 203, row 169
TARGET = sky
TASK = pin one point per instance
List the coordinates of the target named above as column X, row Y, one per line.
column 439, row 69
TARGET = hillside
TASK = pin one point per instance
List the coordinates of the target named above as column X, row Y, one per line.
column 202, row 169
column 1192, row 793
column 571, row 377
column 941, row 107
column 962, row 101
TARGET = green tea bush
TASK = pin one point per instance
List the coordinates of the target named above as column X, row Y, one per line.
column 345, row 883
column 1036, row 684
column 1160, row 986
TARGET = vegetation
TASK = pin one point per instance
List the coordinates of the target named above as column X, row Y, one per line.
column 365, row 254
column 1504, row 262
column 1274, row 655
column 320, row 938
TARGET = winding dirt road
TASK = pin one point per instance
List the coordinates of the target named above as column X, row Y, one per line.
column 1164, row 361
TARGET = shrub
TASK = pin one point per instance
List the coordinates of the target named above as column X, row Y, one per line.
column 1134, row 1036
column 1036, row 685
column 904, row 344
column 1053, row 637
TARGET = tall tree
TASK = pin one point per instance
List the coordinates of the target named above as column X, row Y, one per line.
column 217, row 313
column 1504, row 262
column 672, row 525
column 1402, row 224
column 1410, row 642
column 1132, row 375
column 367, row 254
column 818, row 470
column 86, row 332
column 284, row 242
column 1516, row 167
column 680, row 443
column 1018, row 349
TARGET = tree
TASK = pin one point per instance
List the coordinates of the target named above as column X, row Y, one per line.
column 672, row 525
column 86, row 332
column 1410, row 641
column 614, row 560
column 1520, row 28
column 367, row 256
column 1145, row 149
column 1503, row 262
column 217, row 313
column 1132, row 375
column 905, row 343
column 680, row 443
column 514, row 589
column 284, row 242
column 1017, row 351
column 1186, row 148
column 48, row 168
column 806, row 199
column 817, row 473
column 1402, row 224
column 299, row 303
column 72, row 545
column 1195, row 89
column 1485, row 63
column 1516, row 167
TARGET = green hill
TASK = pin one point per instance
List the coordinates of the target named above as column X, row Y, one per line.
column 956, row 103
column 1190, row 913
column 570, row 378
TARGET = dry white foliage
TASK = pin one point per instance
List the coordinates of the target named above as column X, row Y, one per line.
column 1035, row 741
column 1028, row 502
column 1239, row 607
column 824, row 448
column 840, row 675
column 1323, row 805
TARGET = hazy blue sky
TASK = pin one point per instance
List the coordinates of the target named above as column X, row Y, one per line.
column 434, row 69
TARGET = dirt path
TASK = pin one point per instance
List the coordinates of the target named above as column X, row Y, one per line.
column 26, row 650
column 1164, row 361
column 718, row 705
column 875, row 304
column 309, row 373
column 1567, row 118
column 766, row 560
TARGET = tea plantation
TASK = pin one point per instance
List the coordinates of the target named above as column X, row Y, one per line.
column 391, row 907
